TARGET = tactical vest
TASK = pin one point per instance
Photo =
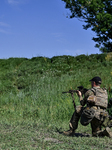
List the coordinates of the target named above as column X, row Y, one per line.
column 100, row 97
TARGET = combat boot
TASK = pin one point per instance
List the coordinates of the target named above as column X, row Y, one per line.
column 70, row 132
column 107, row 132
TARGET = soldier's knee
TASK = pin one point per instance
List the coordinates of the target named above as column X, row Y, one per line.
column 78, row 109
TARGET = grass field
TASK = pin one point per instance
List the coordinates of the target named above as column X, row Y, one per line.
column 33, row 110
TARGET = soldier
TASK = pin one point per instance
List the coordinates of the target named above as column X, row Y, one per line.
column 96, row 101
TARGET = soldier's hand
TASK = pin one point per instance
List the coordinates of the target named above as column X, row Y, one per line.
column 79, row 93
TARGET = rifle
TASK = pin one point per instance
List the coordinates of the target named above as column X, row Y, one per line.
column 81, row 89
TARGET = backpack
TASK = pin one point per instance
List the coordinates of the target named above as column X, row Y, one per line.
column 100, row 97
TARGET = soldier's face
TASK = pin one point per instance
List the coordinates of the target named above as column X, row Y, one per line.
column 93, row 84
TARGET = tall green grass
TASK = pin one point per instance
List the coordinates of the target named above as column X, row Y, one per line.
column 32, row 88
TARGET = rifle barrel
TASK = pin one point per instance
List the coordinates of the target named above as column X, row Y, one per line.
column 70, row 91
column 65, row 92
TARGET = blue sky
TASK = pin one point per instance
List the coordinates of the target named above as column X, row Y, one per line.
column 31, row 28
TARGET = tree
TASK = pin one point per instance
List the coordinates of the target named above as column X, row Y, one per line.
column 97, row 14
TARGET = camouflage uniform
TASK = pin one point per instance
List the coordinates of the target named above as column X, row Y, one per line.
column 98, row 116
